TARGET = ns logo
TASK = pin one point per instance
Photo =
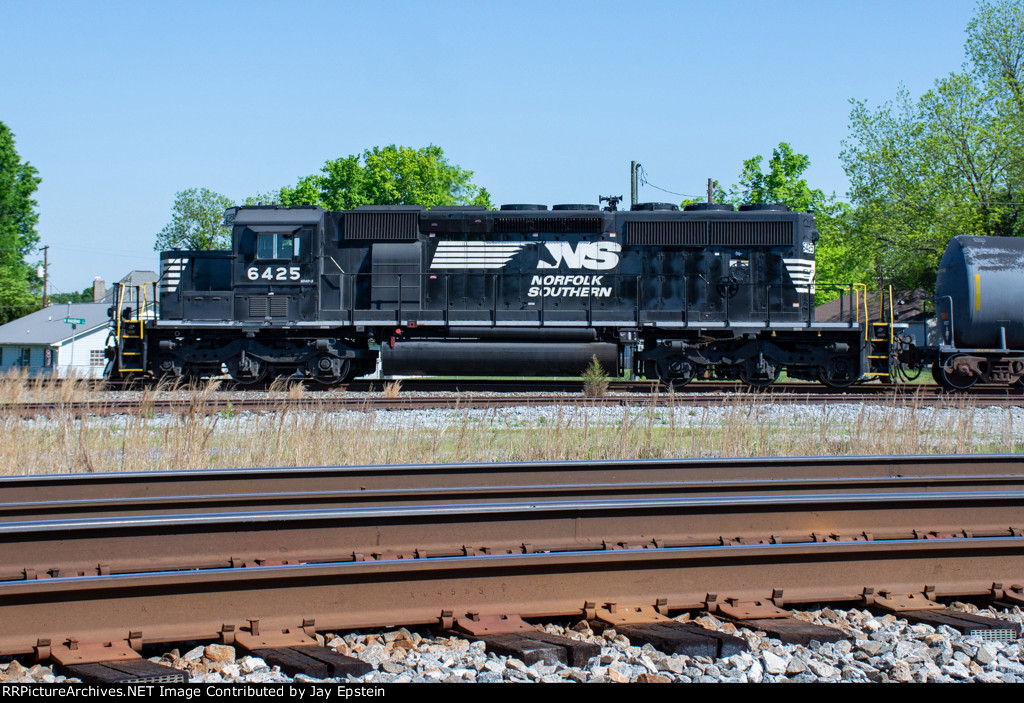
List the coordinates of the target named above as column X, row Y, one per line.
column 594, row 256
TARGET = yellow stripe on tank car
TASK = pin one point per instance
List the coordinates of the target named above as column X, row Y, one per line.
column 977, row 291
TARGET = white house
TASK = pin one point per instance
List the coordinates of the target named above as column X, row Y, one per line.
column 45, row 343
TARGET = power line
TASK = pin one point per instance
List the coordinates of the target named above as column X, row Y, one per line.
column 642, row 172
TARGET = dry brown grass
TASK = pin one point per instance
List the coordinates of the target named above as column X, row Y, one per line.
column 744, row 425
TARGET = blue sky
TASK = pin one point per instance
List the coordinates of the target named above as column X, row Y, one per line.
column 119, row 105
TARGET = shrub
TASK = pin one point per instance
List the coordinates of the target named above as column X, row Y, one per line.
column 595, row 382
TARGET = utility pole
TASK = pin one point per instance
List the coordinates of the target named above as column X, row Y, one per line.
column 709, row 191
column 46, row 270
column 633, row 166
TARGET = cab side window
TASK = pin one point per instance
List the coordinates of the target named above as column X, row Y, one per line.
column 276, row 245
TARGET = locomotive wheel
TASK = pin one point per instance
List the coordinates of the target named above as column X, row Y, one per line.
column 951, row 381
column 165, row 369
column 755, row 378
column 836, row 374
column 323, row 371
column 678, row 374
column 254, row 372
column 835, row 381
column 250, row 380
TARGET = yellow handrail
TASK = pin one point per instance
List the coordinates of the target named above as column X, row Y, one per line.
column 859, row 289
column 892, row 318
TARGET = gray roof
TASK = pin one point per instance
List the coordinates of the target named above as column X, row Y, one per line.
column 47, row 326
column 135, row 278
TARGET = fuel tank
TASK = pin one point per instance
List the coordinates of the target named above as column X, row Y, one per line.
column 979, row 292
column 497, row 358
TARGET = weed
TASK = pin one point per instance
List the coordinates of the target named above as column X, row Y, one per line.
column 595, row 381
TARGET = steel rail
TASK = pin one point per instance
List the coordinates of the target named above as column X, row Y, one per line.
column 215, row 604
column 372, row 546
column 137, row 544
column 213, row 405
column 196, row 483
column 739, row 490
column 547, row 385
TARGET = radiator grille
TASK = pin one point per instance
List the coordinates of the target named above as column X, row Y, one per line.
column 751, row 234
column 667, row 234
column 383, row 226
column 257, row 307
column 278, row 307
column 558, row 225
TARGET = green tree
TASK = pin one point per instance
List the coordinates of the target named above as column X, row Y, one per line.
column 783, row 183
column 948, row 163
column 18, row 237
column 85, row 296
column 391, row 175
column 196, row 220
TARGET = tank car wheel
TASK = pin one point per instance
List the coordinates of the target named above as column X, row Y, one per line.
column 757, row 378
column 951, row 381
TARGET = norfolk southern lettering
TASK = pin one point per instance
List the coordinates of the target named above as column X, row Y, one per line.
column 596, row 256
column 568, row 287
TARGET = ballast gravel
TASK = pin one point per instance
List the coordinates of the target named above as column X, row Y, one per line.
column 983, row 422
column 884, row 648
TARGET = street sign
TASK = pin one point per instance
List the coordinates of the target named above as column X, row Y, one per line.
column 74, row 320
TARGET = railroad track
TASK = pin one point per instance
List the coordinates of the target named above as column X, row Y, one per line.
column 547, row 385
column 211, row 555
column 231, row 402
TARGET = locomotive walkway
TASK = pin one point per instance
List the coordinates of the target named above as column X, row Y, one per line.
column 106, row 562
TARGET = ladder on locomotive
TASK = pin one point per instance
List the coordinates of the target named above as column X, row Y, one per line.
column 880, row 336
column 130, row 313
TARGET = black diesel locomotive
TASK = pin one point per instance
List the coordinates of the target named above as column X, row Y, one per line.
column 523, row 290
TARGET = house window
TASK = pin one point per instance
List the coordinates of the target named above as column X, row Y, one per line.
column 97, row 357
column 25, row 357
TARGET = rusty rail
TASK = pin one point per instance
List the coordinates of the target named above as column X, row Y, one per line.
column 538, row 541
column 22, row 494
column 214, row 604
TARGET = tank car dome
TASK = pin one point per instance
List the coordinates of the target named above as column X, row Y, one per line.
column 764, row 207
column 722, row 207
column 574, row 206
column 523, row 206
column 655, row 206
